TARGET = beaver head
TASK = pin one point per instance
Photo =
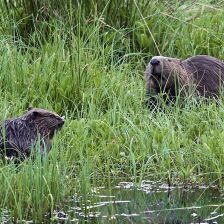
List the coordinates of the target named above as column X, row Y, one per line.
column 47, row 122
column 164, row 74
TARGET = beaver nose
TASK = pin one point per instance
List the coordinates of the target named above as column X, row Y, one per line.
column 154, row 61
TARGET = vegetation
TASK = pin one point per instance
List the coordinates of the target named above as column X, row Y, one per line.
column 86, row 61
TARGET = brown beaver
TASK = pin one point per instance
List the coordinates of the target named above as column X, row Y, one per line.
column 19, row 135
column 201, row 75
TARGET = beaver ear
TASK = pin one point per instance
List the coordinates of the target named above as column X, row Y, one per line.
column 32, row 115
column 35, row 114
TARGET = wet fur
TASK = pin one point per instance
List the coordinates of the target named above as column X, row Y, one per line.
column 202, row 74
column 19, row 135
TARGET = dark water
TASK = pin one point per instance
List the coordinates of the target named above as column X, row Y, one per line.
column 150, row 203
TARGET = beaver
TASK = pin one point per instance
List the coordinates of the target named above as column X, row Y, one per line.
column 200, row 75
column 19, row 135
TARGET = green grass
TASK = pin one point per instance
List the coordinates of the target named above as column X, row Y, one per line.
column 93, row 74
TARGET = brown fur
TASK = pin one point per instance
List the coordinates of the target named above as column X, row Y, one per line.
column 203, row 74
column 19, row 135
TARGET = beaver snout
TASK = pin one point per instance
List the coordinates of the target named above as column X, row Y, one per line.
column 155, row 66
column 62, row 123
column 154, row 61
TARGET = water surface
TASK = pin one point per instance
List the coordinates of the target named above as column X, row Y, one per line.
column 150, row 203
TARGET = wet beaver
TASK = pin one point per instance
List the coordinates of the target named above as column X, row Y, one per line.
column 201, row 75
column 19, row 135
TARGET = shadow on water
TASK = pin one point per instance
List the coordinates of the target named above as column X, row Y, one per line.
column 151, row 203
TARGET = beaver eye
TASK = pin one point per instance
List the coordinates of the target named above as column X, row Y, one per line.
column 169, row 60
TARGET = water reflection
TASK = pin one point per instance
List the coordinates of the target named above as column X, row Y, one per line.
column 151, row 203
